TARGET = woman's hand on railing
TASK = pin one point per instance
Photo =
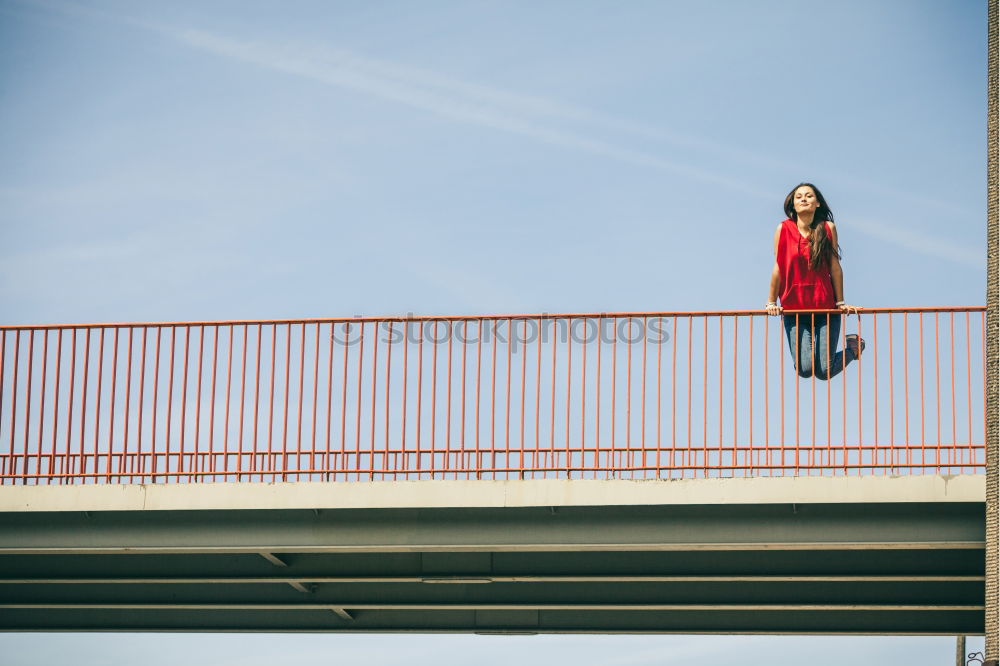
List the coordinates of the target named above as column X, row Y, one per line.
column 773, row 308
column 847, row 309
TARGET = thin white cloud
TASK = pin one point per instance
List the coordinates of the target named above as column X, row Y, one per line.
column 921, row 242
column 499, row 109
column 517, row 114
column 439, row 96
column 534, row 117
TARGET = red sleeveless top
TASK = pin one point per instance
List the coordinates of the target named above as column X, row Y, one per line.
column 802, row 288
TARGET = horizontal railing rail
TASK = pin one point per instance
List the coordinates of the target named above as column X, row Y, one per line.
column 610, row 395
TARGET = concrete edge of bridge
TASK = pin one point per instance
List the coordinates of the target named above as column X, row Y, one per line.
column 492, row 493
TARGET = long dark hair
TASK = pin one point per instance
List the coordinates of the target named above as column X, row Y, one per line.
column 820, row 245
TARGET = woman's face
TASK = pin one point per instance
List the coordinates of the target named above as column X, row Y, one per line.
column 804, row 200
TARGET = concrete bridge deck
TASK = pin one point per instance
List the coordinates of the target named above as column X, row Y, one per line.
column 779, row 555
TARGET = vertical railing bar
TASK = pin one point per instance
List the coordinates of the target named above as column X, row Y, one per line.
column 812, row 382
column 798, row 368
column 642, row 411
column 69, row 412
column 287, row 391
column 357, row 434
column 875, row 388
column 612, row 455
column 125, row 456
column 41, row 408
column 388, row 383
column 767, row 394
column 906, row 389
column 721, row 363
column 628, row 392
column 420, row 391
column 315, row 403
column 3, row 354
column 892, row 398
column 860, row 414
column 156, row 394
column 211, row 412
column 447, row 431
column 704, row 398
column 842, row 342
column 55, row 409
column 597, row 396
column 267, row 464
column 266, row 456
column 142, row 391
column 406, row 381
column 465, row 351
column 434, row 383
column 750, row 457
column 374, row 373
column 552, row 416
column 690, row 368
column 170, row 397
column 479, row 376
column 538, row 395
column 923, row 407
column 255, row 457
column 302, row 399
column 952, row 454
column 196, row 463
column 569, row 384
column 736, row 324
column 343, row 402
column 510, row 345
column 829, row 390
column 180, row 453
column 781, row 389
column 659, row 400
column 583, row 398
column 27, row 412
column 812, row 388
column 111, row 409
column 673, row 404
column 327, row 465
column 937, row 390
column 968, row 368
column 524, row 386
column 229, row 393
column 493, row 400
column 243, row 397
column 13, row 402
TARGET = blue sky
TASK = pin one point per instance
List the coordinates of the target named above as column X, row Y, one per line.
column 220, row 159
column 213, row 160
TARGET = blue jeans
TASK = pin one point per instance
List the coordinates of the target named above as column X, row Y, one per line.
column 814, row 337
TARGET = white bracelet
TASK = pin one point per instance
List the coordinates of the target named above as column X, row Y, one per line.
column 839, row 303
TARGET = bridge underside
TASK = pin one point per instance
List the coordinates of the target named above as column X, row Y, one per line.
column 896, row 562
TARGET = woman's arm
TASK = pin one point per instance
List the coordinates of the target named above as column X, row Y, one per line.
column 772, row 293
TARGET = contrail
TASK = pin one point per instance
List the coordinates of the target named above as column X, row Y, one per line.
column 534, row 117
column 345, row 70
column 921, row 242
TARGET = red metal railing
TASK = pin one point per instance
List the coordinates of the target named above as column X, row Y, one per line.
column 627, row 395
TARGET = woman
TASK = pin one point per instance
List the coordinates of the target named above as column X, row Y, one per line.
column 808, row 276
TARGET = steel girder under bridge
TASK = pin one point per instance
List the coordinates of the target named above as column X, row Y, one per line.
column 779, row 555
